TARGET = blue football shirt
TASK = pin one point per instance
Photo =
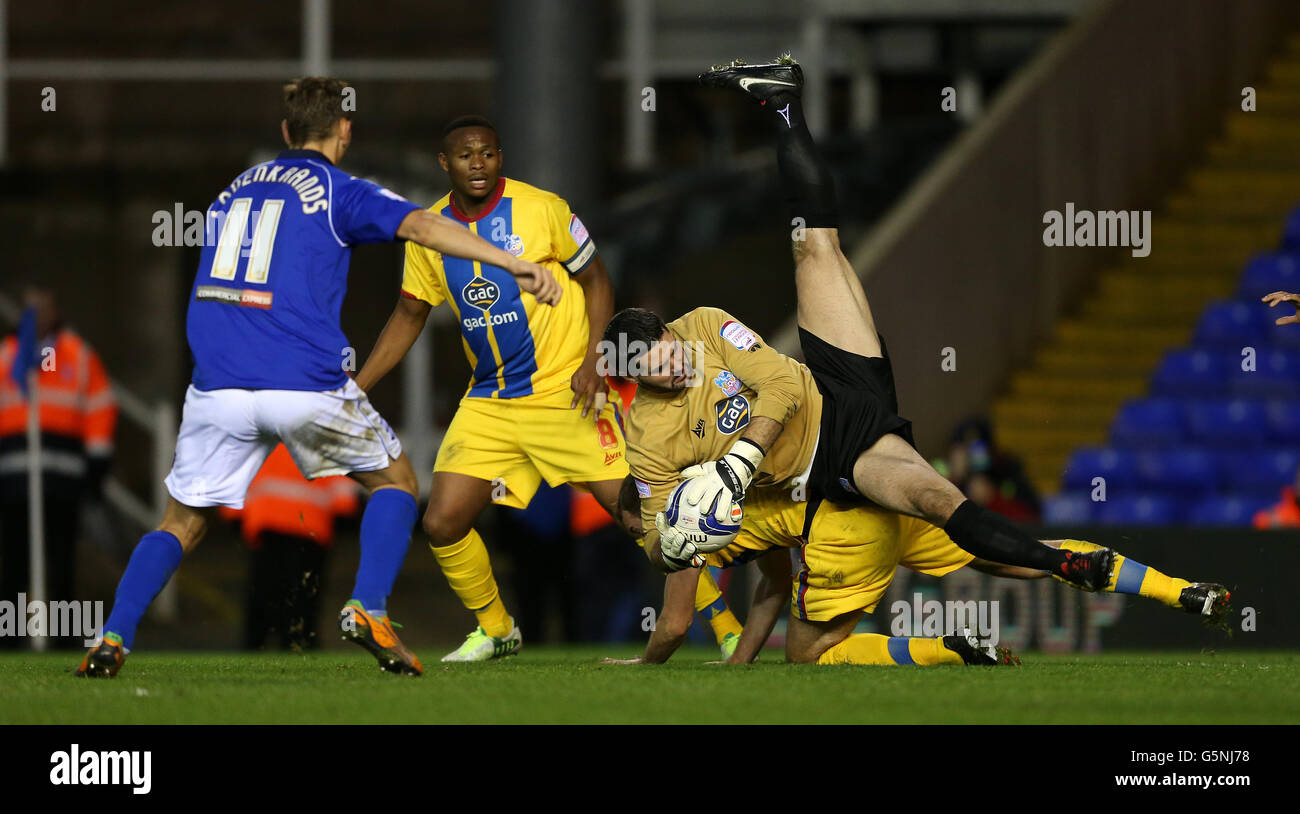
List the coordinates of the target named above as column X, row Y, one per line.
column 264, row 311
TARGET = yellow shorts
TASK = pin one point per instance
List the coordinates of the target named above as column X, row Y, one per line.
column 523, row 441
column 852, row 555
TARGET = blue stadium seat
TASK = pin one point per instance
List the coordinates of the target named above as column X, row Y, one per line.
column 1233, row 423
column 1284, row 422
column 1234, row 324
column 1118, row 467
column 1291, row 231
column 1286, row 337
column 1226, row 510
column 1155, row 422
column 1067, row 509
column 1139, row 510
column 1192, row 373
column 1269, row 272
column 1183, row 472
column 1258, row 472
column 1276, row 375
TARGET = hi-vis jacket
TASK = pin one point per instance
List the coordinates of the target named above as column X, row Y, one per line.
column 78, row 414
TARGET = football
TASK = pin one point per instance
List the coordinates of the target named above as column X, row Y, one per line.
column 699, row 524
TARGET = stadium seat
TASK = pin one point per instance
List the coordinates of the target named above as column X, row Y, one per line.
column 1259, row 471
column 1139, row 510
column 1233, row 423
column 1118, row 467
column 1192, row 373
column 1226, row 510
column 1284, row 422
column 1185, row 471
column 1276, row 375
column 1067, row 509
column 1291, row 231
column 1269, row 272
column 1155, row 422
column 1234, row 324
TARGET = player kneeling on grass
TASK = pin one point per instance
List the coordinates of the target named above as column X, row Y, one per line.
column 269, row 365
column 842, row 571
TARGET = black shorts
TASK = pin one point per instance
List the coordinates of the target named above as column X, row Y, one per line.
column 859, row 405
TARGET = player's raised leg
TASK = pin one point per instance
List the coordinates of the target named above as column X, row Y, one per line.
column 386, row 526
column 1205, row 599
column 845, row 353
column 831, row 302
column 455, row 502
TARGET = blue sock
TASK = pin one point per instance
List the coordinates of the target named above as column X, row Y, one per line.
column 152, row 563
column 385, row 535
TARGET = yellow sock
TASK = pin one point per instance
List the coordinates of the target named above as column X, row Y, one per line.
column 1132, row 577
column 469, row 572
column 710, row 602
column 873, row 648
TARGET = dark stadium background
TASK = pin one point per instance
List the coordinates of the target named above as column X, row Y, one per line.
column 1108, row 105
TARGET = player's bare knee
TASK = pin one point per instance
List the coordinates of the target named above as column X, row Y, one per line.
column 801, row 653
column 442, row 529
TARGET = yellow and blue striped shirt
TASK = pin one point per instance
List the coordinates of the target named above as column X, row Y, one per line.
column 516, row 347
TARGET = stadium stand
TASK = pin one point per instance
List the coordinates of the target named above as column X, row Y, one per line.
column 1185, row 394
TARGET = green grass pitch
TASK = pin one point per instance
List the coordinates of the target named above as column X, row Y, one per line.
column 570, row 685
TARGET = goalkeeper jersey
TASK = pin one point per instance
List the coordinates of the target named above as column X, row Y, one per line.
column 736, row 377
column 516, row 347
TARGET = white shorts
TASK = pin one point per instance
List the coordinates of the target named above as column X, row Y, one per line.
column 226, row 435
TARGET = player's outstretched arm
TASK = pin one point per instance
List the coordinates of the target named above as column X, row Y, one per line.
column 589, row 387
column 433, row 231
column 399, row 334
column 771, row 596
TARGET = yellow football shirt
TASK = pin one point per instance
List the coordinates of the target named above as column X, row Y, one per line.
column 516, row 347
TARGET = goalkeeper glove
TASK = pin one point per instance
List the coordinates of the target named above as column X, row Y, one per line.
column 726, row 478
column 677, row 552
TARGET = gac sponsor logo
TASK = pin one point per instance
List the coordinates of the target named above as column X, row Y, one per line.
column 481, row 293
column 471, row 323
column 733, row 414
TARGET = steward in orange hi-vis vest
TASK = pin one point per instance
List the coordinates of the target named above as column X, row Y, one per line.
column 77, row 418
column 78, row 415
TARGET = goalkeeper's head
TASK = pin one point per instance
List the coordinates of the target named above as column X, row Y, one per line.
column 318, row 115
column 637, row 346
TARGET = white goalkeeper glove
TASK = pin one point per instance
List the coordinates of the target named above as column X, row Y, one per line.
column 677, row 552
column 727, row 479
